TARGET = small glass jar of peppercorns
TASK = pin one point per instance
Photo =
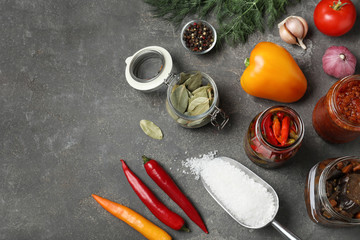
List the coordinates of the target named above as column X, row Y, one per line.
column 198, row 36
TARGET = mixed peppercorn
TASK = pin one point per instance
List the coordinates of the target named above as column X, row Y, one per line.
column 198, row 37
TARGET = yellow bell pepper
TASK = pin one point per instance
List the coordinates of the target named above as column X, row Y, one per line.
column 272, row 73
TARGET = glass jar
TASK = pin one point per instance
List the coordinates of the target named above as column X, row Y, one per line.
column 198, row 120
column 151, row 68
column 336, row 116
column 271, row 154
column 332, row 192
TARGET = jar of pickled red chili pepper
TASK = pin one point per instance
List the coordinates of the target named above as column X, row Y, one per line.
column 336, row 116
column 332, row 192
column 274, row 136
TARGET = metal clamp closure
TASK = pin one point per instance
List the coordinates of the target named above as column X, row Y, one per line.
column 169, row 79
column 214, row 116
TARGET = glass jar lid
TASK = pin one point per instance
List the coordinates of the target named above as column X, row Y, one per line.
column 148, row 68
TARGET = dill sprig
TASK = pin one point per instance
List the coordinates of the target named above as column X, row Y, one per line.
column 237, row 19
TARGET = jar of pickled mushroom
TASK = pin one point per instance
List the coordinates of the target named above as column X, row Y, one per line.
column 274, row 136
column 332, row 192
column 336, row 116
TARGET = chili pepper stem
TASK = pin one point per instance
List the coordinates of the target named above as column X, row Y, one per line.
column 145, row 159
column 185, row 229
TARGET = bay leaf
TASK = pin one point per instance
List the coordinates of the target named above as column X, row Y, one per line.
column 174, row 87
column 210, row 94
column 202, row 93
column 170, row 111
column 200, row 89
column 194, row 81
column 182, row 121
column 189, row 93
column 184, row 77
column 198, row 106
column 180, row 98
column 198, row 123
column 151, row 129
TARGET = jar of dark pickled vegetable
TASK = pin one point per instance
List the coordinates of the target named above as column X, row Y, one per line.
column 274, row 136
column 332, row 192
column 336, row 116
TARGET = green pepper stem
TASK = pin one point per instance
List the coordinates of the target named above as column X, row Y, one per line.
column 247, row 62
column 145, row 159
column 337, row 5
column 185, row 229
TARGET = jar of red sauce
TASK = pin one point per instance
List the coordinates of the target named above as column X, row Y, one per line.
column 332, row 192
column 336, row 116
column 268, row 147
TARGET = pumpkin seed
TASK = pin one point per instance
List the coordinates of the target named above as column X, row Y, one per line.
column 151, row 129
column 180, row 98
column 194, row 81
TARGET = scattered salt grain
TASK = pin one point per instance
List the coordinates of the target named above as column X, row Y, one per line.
column 197, row 164
column 249, row 201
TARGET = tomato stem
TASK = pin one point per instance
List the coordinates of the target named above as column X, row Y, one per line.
column 337, row 5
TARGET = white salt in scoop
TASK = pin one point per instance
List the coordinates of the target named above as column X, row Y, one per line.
column 247, row 198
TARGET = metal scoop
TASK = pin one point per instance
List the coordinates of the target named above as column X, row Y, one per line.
column 284, row 232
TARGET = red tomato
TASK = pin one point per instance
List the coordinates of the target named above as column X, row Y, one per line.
column 334, row 18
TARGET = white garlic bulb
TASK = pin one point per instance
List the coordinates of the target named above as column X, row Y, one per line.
column 293, row 30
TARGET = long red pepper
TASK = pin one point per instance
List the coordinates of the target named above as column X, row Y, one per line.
column 165, row 182
column 270, row 137
column 285, row 129
column 164, row 214
column 276, row 127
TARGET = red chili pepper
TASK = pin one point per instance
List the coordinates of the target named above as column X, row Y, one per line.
column 165, row 182
column 253, row 147
column 276, row 127
column 280, row 115
column 267, row 124
column 285, row 129
column 164, row 214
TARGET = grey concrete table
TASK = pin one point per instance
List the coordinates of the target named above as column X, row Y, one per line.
column 68, row 116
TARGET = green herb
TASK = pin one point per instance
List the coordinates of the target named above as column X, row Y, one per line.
column 237, row 19
column 151, row 129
